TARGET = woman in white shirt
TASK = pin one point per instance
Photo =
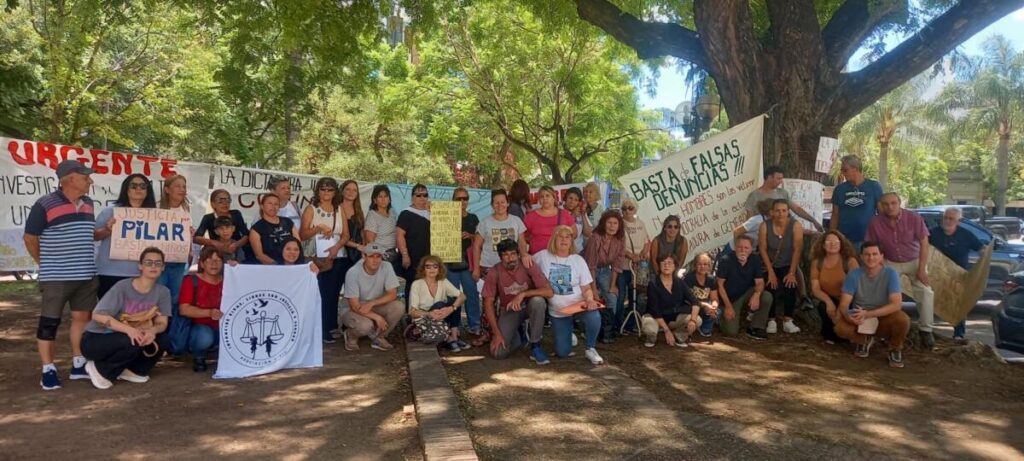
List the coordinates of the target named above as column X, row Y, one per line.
column 324, row 235
column 434, row 296
column 572, row 284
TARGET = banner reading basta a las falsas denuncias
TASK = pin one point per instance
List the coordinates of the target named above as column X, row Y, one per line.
column 704, row 185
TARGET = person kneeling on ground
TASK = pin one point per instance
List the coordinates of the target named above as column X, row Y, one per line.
column 200, row 301
column 125, row 338
column 571, row 283
column 871, row 306
column 671, row 306
column 433, row 296
column 741, row 286
column 372, row 292
column 520, row 294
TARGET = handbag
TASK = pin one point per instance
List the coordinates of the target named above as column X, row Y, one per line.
column 143, row 321
column 326, row 264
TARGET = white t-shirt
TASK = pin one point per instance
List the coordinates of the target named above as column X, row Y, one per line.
column 493, row 232
column 384, row 227
column 289, row 211
column 420, row 297
column 567, row 277
column 753, row 228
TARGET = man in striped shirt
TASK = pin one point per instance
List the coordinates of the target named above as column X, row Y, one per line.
column 59, row 236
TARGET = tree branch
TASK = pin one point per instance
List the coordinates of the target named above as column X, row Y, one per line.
column 920, row 51
column 649, row 39
column 853, row 22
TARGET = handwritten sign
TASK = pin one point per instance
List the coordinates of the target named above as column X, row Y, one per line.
column 956, row 290
column 809, row 195
column 828, row 151
column 704, row 185
column 446, row 231
column 136, row 229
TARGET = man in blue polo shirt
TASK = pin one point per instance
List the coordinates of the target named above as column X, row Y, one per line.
column 59, row 236
column 956, row 243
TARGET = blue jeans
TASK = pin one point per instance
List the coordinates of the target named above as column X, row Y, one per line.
column 464, row 281
column 200, row 339
column 960, row 330
column 614, row 309
column 708, row 321
column 562, row 327
column 171, row 278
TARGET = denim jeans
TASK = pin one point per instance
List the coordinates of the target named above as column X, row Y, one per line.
column 330, row 283
column 171, row 278
column 200, row 339
column 708, row 321
column 562, row 327
column 611, row 300
column 464, row 281
column 960, row 330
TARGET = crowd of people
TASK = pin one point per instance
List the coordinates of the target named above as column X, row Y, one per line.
column 567, row 264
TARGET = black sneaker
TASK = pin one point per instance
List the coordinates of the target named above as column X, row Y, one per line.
column 757, row 334
column 50, row 381
column 329, row 340
column 864, row 350
column 199, row 365
column 896, row 359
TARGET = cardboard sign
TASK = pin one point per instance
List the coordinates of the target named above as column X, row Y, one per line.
column 809, row 195
column 446, row 231
column 956, row 290
column 136, row 229
column 828, row 151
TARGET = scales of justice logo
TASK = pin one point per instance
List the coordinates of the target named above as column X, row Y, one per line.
column 260, row 328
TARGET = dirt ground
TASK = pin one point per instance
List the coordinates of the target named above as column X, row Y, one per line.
column 791, row 397
column 352, row 408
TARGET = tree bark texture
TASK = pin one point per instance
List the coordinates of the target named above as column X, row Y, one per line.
column 795, row 73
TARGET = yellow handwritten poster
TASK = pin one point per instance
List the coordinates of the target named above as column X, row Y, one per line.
column 446, row 231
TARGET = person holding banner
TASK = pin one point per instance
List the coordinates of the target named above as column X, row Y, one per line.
column 956, row 243
column 206, row 234
column 541, row 223
column 136, row 192
column 325, row 233
column 433, row 295
column 59, row 234
column 669, row 242
column 781, row 241
column 174, row 197
column 741, row 288
column 573, row 286
column 413, row 234
column 200, row 301
column 371, row 289
column 459, row 274
column 603, row 254
column 832, row 258
column 671, row 306
column 381, row 225
column 282, row 188
column 519, row 199
column 574, row 204
column 125, row 338
column 267, row 236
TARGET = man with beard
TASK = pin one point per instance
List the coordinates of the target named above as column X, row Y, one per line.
column 519, row 293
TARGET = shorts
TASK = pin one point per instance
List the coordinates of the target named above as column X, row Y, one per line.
column 81, row 294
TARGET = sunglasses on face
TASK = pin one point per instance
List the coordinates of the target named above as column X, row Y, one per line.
column 327, row 189
column 137, row 185
column 152, row 263
column 462, row 199
column 421, row 195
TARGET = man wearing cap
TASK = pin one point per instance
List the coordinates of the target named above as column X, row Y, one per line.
column 373, row 306
column 520, row 294
column 59, row 236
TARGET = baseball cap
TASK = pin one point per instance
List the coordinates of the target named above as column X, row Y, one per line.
column 72, row 166
column 374, row 249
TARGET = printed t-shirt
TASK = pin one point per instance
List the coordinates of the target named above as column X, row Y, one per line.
column 123, row 298
column 493, row 232
column 857, row 205
column 567, row 277
column 272, row 236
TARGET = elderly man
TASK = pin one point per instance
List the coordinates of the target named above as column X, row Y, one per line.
column 903, row 238
column 855, row 201
column 771, row 189
column 740, row 288
column 514, row 294
column 956, row 243
column 59, row 236
column 371, row 289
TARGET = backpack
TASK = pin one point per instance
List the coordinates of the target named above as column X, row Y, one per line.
column 180, row 326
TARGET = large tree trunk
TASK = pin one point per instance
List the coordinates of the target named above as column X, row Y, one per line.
column 883, row 165
column 293, row 90
column 1003, row 167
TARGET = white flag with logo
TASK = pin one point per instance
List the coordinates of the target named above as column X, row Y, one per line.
column 271, row 320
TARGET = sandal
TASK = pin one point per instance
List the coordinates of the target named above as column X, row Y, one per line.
column 484, row 338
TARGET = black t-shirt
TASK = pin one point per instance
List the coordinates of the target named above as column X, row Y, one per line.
column 739, row 278
column 417, row 235
column 662, row 304
column 701, row 291
column 206, row 230
column 272, row 236
column 469, row 224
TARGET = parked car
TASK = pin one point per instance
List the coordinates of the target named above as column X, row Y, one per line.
column 1008, row 319
column 1007, row 227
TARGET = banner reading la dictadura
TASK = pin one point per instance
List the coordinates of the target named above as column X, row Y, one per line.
column 704, row 185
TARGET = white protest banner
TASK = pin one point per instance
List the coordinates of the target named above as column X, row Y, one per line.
column 27, row 172
column 705, row 185
column 828, row 151
column 136, row 229
column 271, row 320
column 810, row 196
column 247, row 185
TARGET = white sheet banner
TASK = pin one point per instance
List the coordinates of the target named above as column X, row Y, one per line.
column 271, row 320
column 27, row 172
column 810, row 196
column 705, row 185
column 247, row 185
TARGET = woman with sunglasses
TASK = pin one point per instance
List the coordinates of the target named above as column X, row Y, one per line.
column 413, row 234
column 669, row 242
column 136, row 192
column 635, row 266
column 220, row 201
column 459, row 274
column 325, row 233
column 433, row 295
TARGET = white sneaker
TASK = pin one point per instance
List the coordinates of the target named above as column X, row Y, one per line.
column 574, row 341
column 772, row 328
column 98, row 381
column 682, row 344
column 132, row 377
column 789, row 327
column 594, row 357
column 648, row 342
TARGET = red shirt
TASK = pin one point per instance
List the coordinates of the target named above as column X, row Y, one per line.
column 208, row 298
column 540, row 228
column 506, row 285
column 900, row 242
